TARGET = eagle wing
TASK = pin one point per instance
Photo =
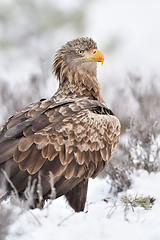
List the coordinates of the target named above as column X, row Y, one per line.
column 73, row 140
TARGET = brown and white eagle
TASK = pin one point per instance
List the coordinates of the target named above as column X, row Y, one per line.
column 70, row 136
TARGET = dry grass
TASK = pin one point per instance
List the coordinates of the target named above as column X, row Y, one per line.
column 12, row 100
column 139, row 146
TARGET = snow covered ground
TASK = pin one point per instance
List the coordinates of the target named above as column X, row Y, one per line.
column 101, row 219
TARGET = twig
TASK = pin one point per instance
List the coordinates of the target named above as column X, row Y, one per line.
column 51, row 181
column 10, row 182
column 40, row 191
column 64, row 219
column 112, row 209
column 35, row 218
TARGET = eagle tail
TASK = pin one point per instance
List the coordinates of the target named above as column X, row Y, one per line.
column 77, row 196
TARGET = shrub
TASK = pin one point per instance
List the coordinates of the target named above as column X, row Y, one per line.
column 139, row 146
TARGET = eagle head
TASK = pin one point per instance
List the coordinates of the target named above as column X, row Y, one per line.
column 80, row 53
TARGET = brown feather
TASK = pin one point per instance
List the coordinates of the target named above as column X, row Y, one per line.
column 16, row 154
column 90, row 170
column 36, row 165
column 33, row 162
column 98, row 169
column 25, row 143
column 86, row 155
column 20, row 156
column 92, row 156
column 79, row 157
column 104, row 154
column 64, row 185
column 28, row 131
column 70, row 169
column 69, row 157
column 38, row 138
column 54, row 166
column 51, row 153
column 62, row 155
column 44, row 151
column 79, row 171
column 98, row 157
column 7, row 149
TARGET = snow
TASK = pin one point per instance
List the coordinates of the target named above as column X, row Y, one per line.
column 100, row 220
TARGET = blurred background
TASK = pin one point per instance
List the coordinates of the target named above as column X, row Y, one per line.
column 126, row 31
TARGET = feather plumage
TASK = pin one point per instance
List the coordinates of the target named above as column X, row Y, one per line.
column 72, row 135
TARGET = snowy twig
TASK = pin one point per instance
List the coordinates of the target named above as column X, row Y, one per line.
column 109, row 214
column 10, row 182
column 64, row 219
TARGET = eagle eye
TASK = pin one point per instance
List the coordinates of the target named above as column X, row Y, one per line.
column 80, row 51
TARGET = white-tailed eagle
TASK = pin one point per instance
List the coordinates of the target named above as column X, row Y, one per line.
column 71, row 136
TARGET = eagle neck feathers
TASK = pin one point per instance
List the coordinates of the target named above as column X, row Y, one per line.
column 78, row 81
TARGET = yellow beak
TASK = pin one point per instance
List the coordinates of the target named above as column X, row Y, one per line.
column 95, row 55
